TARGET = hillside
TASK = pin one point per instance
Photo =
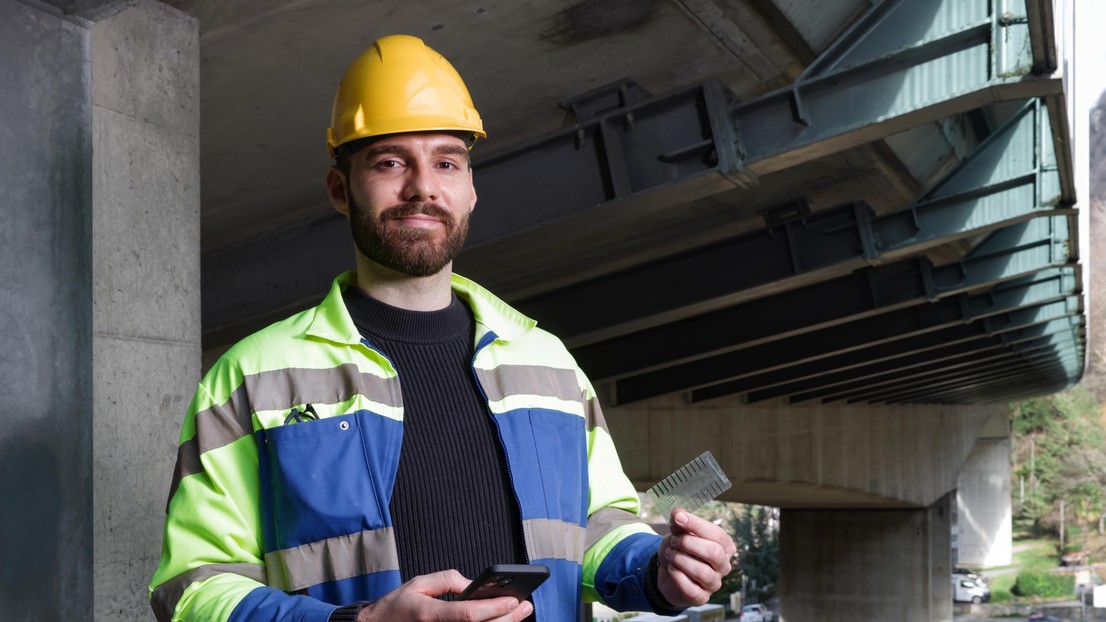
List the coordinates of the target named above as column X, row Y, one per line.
column 1095, row 258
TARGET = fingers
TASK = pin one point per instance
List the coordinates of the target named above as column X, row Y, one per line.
column 525, row 608
column 686, row 522
column 439, row 583
column 501, row 609
column 705, row 574
column 681, row 590
column 693, row 559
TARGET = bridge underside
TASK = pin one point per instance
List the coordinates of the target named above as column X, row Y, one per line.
column 830, row 264
column 827, row 241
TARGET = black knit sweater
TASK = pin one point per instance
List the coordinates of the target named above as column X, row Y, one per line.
column 452, row 505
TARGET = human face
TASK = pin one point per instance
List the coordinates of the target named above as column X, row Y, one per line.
column 409, row 198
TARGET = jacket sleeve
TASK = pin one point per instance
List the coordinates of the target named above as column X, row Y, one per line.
column 212, row 564
column 618, row 545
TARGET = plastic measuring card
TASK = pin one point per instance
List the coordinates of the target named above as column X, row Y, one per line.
column 690, row 486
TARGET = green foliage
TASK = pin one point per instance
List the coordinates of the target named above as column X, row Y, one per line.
column 1059, row 454
column 758, row 550
column 1044, row 585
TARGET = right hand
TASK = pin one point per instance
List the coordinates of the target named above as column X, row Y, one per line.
column 417, row 601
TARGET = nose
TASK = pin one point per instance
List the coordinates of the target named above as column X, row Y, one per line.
column 420, row 184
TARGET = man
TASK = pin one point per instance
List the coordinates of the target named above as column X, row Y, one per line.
column 362, row 460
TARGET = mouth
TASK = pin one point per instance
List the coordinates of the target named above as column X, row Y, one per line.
column 417, row 221
column 418, row 216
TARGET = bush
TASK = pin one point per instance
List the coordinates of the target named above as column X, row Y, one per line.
column 1043, row 584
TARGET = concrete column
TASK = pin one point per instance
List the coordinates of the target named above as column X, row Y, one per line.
column 45, row 316
column 146, row 285
column 843, row 565
column 984, row 516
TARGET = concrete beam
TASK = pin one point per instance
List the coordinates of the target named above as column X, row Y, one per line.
column 805, row 455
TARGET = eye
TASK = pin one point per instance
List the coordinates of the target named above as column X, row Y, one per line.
column 451, row 165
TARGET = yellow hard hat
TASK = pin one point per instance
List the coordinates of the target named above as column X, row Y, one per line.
column 400, row 85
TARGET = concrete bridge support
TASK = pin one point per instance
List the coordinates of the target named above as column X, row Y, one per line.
column 865, row 491
column 984, row 523
column 866, row 564
column 99, row 296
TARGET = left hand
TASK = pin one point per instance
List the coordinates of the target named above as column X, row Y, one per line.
column 693, row 559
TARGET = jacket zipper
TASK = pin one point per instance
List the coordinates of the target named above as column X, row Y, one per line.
column 485, row 341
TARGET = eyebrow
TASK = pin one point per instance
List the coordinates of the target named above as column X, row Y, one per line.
column 386, row 148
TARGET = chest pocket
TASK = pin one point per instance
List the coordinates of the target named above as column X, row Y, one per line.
column 561, row 447
column 547, row 454
column 327, row 477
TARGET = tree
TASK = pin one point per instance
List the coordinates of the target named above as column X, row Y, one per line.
column 756, row 534
column 1059, row 452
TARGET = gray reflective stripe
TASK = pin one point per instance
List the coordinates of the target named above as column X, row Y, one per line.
column 166, row 596
column 279, row 389
column 548, row 538
column 507, row 380
column 333, row 559
column 606, row 520
column 593, row 413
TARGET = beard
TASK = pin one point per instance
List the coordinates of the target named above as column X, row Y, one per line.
column 407, row 250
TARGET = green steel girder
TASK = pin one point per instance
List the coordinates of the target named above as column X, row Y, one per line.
column 1052, row 362
column 906, row 63
column 903, row 64
column 1055, row 367
column 1046, row 287
column 1016, row 251
column 1038, row 381
column 1008, row 179
column 959, row 314
column 884, row 370
column 1057, row 334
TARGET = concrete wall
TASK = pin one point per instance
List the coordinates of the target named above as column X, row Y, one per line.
column 984, row 518
column 45, row 317
column 866, row 565
column 99, row 286
column 805, row 456
column 146, row 295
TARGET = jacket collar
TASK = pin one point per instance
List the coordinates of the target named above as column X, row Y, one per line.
column 333, row 322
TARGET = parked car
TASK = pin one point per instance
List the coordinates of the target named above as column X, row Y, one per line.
column 1043, row 617
column 965, row 590
column 756, row 613
column 970, row 574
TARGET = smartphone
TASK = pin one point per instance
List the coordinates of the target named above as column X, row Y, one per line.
column 517, row 580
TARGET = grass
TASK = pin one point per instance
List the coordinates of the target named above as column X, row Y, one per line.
column 1034, row 553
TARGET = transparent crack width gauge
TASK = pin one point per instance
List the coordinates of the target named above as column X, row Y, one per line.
column 690, row 486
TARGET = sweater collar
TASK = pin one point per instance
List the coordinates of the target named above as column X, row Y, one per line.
column 332, row 319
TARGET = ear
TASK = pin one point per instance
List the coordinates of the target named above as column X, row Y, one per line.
column 336, row 190
column 472, row 204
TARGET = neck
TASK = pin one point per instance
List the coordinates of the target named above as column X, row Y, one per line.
column 414, row 293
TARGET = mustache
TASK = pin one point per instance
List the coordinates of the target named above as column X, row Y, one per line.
column 404, row 210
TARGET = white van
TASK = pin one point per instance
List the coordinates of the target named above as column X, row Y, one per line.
column 966, row 590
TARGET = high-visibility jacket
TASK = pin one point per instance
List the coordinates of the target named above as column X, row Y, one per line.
column 280, row 511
